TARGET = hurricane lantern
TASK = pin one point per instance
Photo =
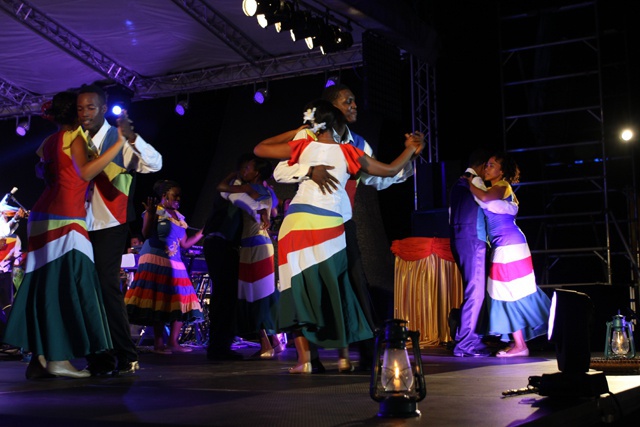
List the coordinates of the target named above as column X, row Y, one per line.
column 619, row 341
column 395, row 382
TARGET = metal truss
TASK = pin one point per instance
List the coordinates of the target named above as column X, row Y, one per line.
column 423, row 100
column 223, row 29
column 246, row 73
column 16, row 102
column 71, row 43
column 259, row 65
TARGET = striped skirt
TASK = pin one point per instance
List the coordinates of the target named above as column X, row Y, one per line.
column 515, row 301
column 161, row 291
column 315, row 293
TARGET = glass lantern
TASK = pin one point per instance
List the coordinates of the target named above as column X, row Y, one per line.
column 619, row 341
column 397, row 383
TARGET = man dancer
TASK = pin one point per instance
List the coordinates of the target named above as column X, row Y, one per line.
column 343, row 98
column 221, row 252
column 110, row 207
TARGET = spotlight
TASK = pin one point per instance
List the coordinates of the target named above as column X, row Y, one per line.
column 261, row 95
column 283, row 12
column 334, row 39
column 569, row 319
column 332, row 81
column 626, row 135
column 260, row 7
column 116, row 109
column 181, row 107
column 119, row 98
column 307, row 29
column 291, row 21
column 23, row 127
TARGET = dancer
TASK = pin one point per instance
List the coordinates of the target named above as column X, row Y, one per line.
column 110, row 208
column 516, row 306
column 58, row 313
column 317, row 302
column 257, row 292
column 161, row 291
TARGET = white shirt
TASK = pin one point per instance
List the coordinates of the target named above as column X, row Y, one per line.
column 145, row 160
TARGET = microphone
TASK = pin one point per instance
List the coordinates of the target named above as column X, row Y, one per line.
column 8, row 196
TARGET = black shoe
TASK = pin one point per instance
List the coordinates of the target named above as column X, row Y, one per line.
column 127, row 368
column 473, row 353
column 222, row 355
column 99, row 371
column 317, row 367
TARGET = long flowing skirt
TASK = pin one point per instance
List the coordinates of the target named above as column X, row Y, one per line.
column 514, row 300
column 58, row 310
column 315, row 293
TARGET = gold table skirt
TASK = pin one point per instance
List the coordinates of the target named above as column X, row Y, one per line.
column 426, row 289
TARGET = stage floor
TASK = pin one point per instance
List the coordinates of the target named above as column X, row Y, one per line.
column 188, row 390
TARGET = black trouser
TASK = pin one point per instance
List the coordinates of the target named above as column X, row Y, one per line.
column 108, row 245
column 222, row 262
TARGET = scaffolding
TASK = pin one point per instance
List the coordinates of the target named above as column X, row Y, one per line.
column 563, row 74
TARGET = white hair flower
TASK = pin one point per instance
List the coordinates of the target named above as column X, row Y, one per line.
column 317, row 126
column 309, row 115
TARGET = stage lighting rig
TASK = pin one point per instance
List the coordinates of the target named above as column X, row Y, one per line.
column 284, row 13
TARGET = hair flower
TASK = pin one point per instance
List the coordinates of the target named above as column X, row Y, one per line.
column 309, row 115
column 317, row 126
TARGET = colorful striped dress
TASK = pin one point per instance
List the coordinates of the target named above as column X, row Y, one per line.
column 161, row 290
column 58, row 310
column 315, row 294
column 256, row 277
column 515, row 301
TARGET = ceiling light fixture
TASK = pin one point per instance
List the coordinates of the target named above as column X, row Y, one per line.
column 284, row 12
column 334, row 39
column 261, row 95
column 22, row 127
column 182, row 106
column 260, row 7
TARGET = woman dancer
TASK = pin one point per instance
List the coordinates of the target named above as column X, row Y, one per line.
column 256, row 286
column 58, row 312
column 316, row 302
column 161, row 291
column 516, row 305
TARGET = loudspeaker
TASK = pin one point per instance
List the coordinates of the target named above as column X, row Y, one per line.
column 431, row 223
column 434, row 181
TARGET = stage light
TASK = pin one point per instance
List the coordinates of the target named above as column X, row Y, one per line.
column 395, row 383
column 260, row 7
column 332, row 81
column 569, row 318
column 307, row 29
column 334, row 39
column 283, row 12
column 181, row 107
column 22, row 127
column 118, row 98
column 626, row 135
column 261, row 95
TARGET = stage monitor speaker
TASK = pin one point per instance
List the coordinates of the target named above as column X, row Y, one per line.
column 431, row 223
column 434, row 181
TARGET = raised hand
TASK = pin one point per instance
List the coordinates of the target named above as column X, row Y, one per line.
column 125, row 126
column 151, row 205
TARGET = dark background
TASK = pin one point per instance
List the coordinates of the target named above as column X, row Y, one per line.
column 200, row 148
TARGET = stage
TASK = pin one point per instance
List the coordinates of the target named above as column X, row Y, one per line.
column 188, row 390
